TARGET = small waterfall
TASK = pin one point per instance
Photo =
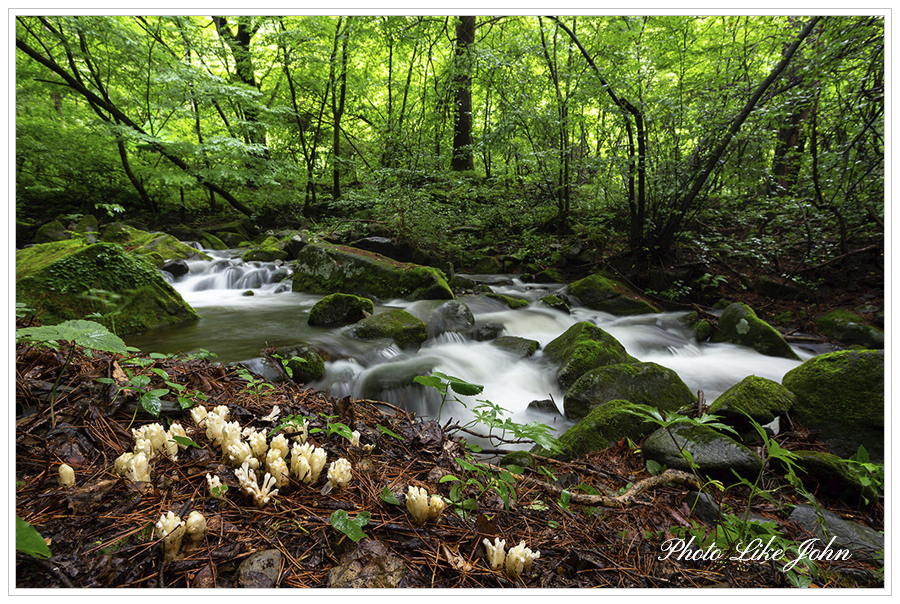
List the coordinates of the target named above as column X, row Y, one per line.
column 238, row 327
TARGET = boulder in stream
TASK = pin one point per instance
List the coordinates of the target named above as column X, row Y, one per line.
column 157, row 248
column 841, row 394
column 405, row 330
column 738, row 324
column 716, row 454
column 325, row 269
column 54, row 279
column 583, row 347
column 340, row 309
column 452, row 316
column 640, row 383
column 304, row 362
column 762, row 399
column 601, row 293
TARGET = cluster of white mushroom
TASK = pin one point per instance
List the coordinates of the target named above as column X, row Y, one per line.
column 150, row 442
column 172, row 529
column 421, row 507
column 519, row 558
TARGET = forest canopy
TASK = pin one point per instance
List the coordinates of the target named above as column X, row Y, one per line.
column 638, row 125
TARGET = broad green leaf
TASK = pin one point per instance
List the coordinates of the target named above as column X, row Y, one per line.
column 88, row 334
column 29, row 541
column 388, row 496
column 185, row 442
column 151, row 403
column 352, row 527
column 388, row 431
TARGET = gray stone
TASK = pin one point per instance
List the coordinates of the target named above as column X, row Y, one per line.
column 452, row 316
column 260, row 570
column 521, row 347
column 863, row 542
column 715, row 454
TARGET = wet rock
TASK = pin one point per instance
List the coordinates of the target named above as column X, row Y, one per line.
column 487, row 331
column 715, row 454
column 544, row 406
column 340, row 309
column 556, row 302
column 604, row 425
column 583, row 347
column 510, row 301
column 405, row 330
column 550, row 275
column 260, row 570
column 452, row 316
column 304, row 362
column 52, row 231
column 370, row 564
column 849, row 329
column 762, row 399
column 521, row 347
column 738, row 324
column 327, row 269
column 827, row 473
column 176, row 268
column 841, row 394
column 402, row 251
column 600, row 293
column 863, row 542
column 641, row 383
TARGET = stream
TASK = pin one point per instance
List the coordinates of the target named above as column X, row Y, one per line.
column 237, row 327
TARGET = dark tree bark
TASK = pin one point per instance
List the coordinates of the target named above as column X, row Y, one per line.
column 463, row 157
column 337, row 101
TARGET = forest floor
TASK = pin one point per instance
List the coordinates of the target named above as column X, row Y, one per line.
column 100, row 530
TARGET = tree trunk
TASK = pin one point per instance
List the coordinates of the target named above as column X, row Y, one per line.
column 463, row 157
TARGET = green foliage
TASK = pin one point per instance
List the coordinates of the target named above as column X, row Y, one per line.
column 352, row 527
column 29, row 541
column 255, row 386
column 870, row 474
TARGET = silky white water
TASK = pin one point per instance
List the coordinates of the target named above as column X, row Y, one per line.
column 237, row 327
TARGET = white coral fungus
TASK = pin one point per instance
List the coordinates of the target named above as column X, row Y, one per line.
column 421, row 507
column 247, row 478
column 307, row 462
column 170, row 529
column 520, row 558
column 496, row 553
column 339, row 473
column 66, row 476
column 195, row 526
column 216, row 488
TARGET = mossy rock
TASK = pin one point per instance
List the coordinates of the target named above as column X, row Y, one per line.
column 715, row 454
column 555, row 302
column 451, row 316
column 603, row 426
column 144, row 243
column 487, row 265
column 641, row 383
column 849, row 329
column 304, row 361
column 54, row 284
column 550, row 275
column 87, row 224
column 405, row 330
column 841, row 394
column 326, row 269
column 520, row 347
column 52, row 231
column 703, row 330
column 340, row 309
column 377, row 382
column 600, row 293
column 583, row 347
column 523, row 459
column 738, row 324
column 826, row 473
column 510, row 301
column 762, row 399
column 269, row 249
column 211, row 242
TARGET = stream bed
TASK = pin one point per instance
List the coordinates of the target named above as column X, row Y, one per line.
column 236, row 326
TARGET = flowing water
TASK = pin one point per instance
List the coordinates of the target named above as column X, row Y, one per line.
column 237, row 327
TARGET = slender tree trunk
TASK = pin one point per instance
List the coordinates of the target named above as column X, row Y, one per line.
column 337, row 105
column 463, row 157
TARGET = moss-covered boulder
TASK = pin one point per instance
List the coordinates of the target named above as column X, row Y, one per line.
column 52, row 231
column 520, row 347
column 715, row 454
column 550, row 275
column 641, row 383
column 326, row 269
column 211, row 242
column 850, row 330
column 488, row 265
column 738, row 324
column 583, row 347
column 55, row 283
column 153, row 246
column 603, row 426
column 340, row 309
column 510, row 301
column 762, row 399
column 600, row 293
column 555, row 302
column 379, row 382
column 841, row 394
column 269, row 250
column 826, row 473
column 405, row 330
column 451, row 317
column 303, row 361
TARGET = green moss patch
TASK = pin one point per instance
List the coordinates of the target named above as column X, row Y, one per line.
column 511, row 301
column 138, row 296
column 583, row 347
column 763, row 400
column 340, row 309
column 849, row 329
column 738, row 324
column 405, row 330
column 600, row 293
column 143, row 243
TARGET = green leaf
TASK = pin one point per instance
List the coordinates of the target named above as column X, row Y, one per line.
column 388, row 496
column 29, row 541
column 151, row 402
column 388, row 431
column 352, row 527
column 184, row 441
column 431, row 381
column 88, row 334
